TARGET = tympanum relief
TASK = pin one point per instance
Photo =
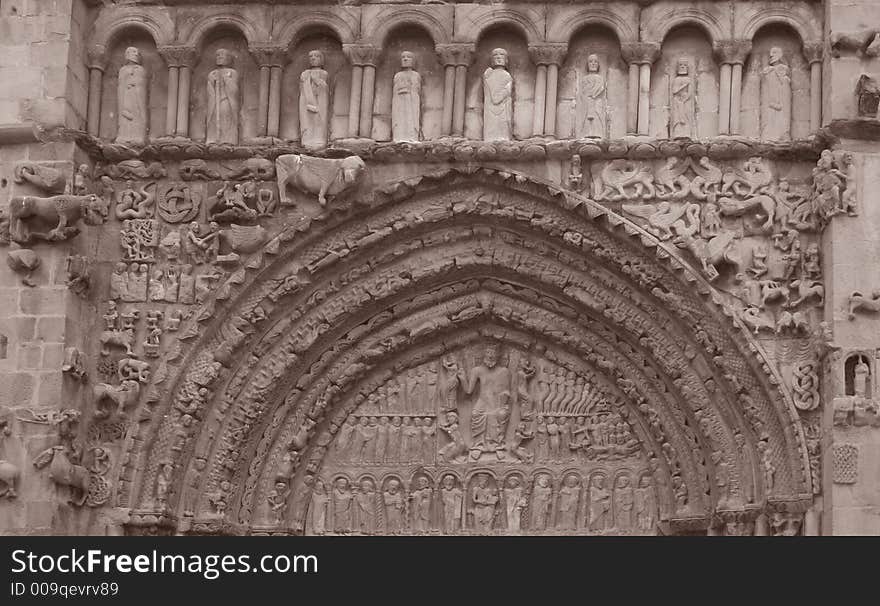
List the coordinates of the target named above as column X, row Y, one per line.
column 485, row 440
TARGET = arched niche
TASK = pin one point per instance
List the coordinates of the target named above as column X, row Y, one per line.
column 573, row 89
column 415, row 39
column 225, row 37
column 691, row 45
column 157, row 83
column 858, row 373
column 787, row 39
column 339, row 70
column 521, row 69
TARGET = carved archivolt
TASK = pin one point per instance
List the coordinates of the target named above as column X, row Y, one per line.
column 297, row 340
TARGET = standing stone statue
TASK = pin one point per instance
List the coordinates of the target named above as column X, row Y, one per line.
column 406, row 101
column 776, row 98
column 132, row 99
column 497, row 99
column 681, row 107
column 492, row 406
column 223, row 101
column 592, row 99
column 314, row 102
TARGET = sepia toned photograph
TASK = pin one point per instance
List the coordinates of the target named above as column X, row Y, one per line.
column 378, row 268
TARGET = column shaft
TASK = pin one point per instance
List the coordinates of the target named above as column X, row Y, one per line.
column 263, row 106
column 724, row 100
column 540, row 101
column 365, row 129
column 183, row 101
column 274, row 117
column 644, row 98
column 736, row 76
column 448, row 96
column 632, row 100
column 171, row 109
column 96, row 76
column 815, row 96
column 459, row 102
column 550, row 106
column 354, row 102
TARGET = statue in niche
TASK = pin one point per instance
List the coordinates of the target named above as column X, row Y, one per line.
column 395, row 506
column 776, row 98
column 624, row 503
column 406, row 101
column 542, row 496
column 592, row 99
column 515, row 502
column 861, row 376
column 497, row 99
column 223, row 101
column 600, row 504
column 452, row 499
column 569, row 494
column 681, row 105
column 366, row 506
column 318, row 507
column 132, row 99
column 314, row 102
column 644, row 504
column 492, row 406
column 447, row 384
column 421, row 500
column 484, row 500
column 342, row 499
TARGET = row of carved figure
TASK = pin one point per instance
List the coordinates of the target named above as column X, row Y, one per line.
column 487, row 505
column 224, row 92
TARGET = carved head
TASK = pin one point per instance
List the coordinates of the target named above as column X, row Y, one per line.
column 451, row 417
column 280, row 487
column 644, row 482
column 482, row 480
column 319, row 486
column 598, row 481
column 683, row 68
column 490, row 356
column 407, row 421
column 499, row 57
column 367, row 485
column 407, row 60
column 775, row 55
column 95, row 210
column 448, row 481
column 223, row 58
column 365, row 421
column 593, row 63
column 423, row 482
column 396, row 421
column 543, row 480
column 513, row 482
column 623, row 482
column 133, row 55
column 352, row 168
column 393, row 485
column 342, row 483
column 571, row 480
column 316, row 58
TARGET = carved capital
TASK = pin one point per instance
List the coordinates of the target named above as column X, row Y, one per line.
column 733, row 51
column 548, row 54
column 178, row 56
column 455, row 54
column 96, row 57
column 814, row 52
column 640, row 52
column 269, row 56
column 362, row 54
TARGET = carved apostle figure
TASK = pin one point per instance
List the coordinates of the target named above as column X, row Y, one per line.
column 592, row 99
column 644, row 504
column 452, row 499
column 623, row 503
column 492, row 407
column 406, row 101
column 600, row 504
column 132, row 99
column 314, row 102
column 421, row 504
column 861, row 378
column 497, row 99
column 342, row 498
column 681, row 106
column 776, row 98
column 542, row 497
column 395, row 506
column 318, row 507
column 569, row 494
column 223, row 101
column 484, row 500
column 366, row 506
column 514, row 502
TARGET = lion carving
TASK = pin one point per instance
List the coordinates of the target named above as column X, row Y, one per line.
column 58, row 213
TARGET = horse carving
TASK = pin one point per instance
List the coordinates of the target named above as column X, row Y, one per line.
column 59, row 213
